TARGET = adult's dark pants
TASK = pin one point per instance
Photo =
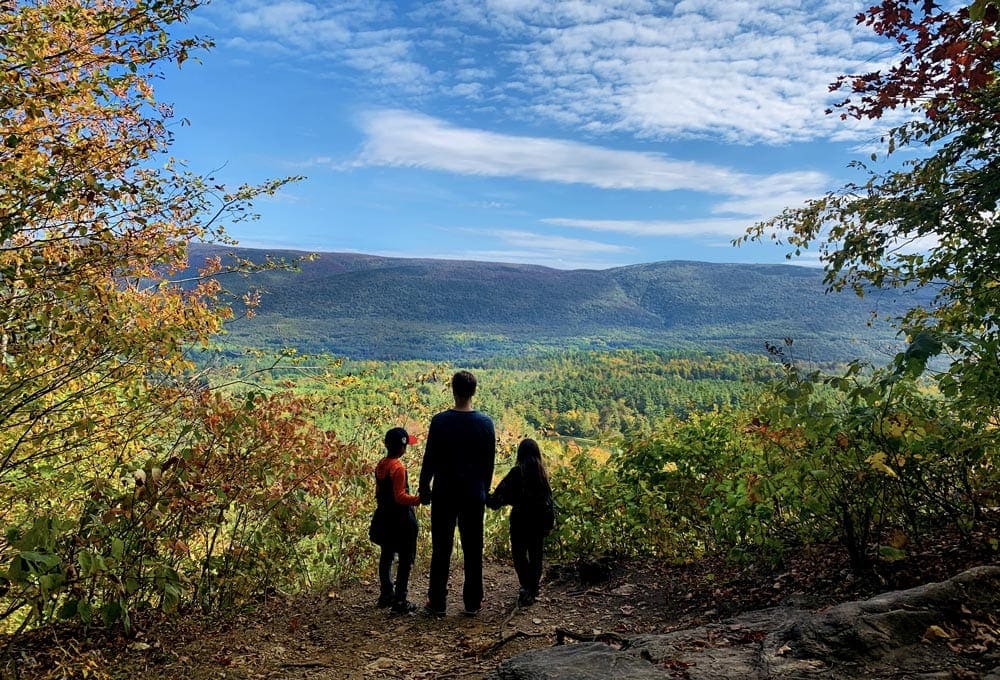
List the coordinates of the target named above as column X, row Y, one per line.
column 526, row 543
column 468, row 517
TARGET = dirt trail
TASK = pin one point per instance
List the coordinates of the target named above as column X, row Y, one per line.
column 341, row 634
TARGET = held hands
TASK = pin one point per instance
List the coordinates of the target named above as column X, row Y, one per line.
column 425, row 497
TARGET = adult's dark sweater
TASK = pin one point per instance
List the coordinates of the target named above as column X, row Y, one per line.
column 458, row 457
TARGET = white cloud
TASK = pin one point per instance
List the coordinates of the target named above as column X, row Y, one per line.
column 468, row 90
column 807, row 258
column 702, row 227
column 298, row 23
column 405, row 139
column 550, row 243
column 737, row 71
column 532, row 247
column 360, row 34
column 911, row 244
column 765, row 203
column 388, row 61
column 269, row 46
column 543, row 258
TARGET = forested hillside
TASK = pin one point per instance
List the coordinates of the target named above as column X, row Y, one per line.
column 363, row 306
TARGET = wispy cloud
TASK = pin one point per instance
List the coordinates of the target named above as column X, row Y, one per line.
column 550, row 243
column 746, row 71
column 536, row 247
column 360, row 34
column 543, row 258
column 297, row 23
column 765, row 203
column 405, row 139
column 703, row 227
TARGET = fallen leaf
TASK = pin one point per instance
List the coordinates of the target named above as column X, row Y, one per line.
column 898, row 539
column 936, row 633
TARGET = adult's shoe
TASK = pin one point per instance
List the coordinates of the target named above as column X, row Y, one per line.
column 436, row 612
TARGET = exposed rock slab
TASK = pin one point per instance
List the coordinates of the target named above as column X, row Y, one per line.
column 584, row 661
column 885, row 636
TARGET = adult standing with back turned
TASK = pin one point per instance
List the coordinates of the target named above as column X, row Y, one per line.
column 455, row 477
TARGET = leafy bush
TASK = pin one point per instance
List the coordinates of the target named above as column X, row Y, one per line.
column 858, row 454
column 210, row 515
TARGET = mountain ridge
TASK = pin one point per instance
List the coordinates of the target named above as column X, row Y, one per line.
column 374, row 307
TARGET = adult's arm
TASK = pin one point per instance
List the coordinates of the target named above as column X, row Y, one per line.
column 489, row 455
column 427, row 467
column 507, row 490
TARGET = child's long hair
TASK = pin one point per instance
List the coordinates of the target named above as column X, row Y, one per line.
column 529, row 459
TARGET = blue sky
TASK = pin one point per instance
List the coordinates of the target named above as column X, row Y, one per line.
column 565, row 133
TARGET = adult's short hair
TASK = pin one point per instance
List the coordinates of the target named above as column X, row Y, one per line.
column 463, row 385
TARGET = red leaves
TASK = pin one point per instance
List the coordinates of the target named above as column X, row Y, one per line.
column 945, row 58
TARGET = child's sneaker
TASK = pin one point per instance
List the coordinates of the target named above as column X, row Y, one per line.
column 525, row 598
column 403, row 607
column 384, row 601
column 472, row 611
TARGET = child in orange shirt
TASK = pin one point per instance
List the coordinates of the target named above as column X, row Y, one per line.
column 394, row 524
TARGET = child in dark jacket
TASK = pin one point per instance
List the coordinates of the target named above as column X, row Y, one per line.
column 394, row 524
column 526, row 489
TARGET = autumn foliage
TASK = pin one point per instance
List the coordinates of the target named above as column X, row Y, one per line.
column 947, row 57
column 128, row 480
column 133, row 479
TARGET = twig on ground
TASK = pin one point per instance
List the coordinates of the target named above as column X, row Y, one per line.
column 508, row 619
column 513, row 636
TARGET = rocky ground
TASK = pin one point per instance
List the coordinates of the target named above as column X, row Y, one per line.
column 341, row 634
